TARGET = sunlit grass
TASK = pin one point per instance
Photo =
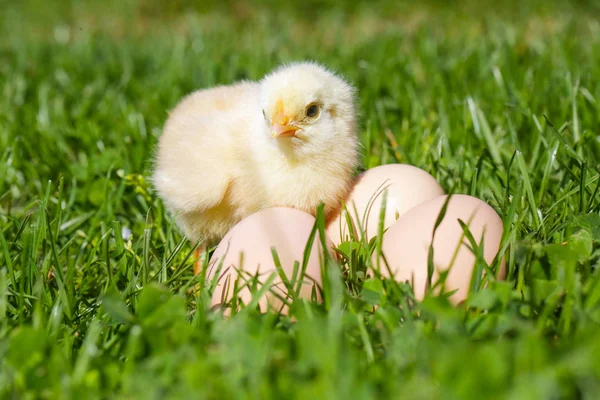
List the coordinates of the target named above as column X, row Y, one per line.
column 96, row 283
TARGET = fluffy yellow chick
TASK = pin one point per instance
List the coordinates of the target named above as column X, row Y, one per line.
column 226, row 152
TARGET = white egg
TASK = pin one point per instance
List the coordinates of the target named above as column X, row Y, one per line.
column 406, row 244
column 406, row 186
column 246, row 251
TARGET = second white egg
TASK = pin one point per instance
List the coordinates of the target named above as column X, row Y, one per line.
column 406, row 186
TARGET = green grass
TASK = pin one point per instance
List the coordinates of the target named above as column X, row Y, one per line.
column 499, row 102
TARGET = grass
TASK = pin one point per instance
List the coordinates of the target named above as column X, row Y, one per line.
column 501, row 102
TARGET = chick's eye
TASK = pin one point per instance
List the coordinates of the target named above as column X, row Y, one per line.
column 312, row 111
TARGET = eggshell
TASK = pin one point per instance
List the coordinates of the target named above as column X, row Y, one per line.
column 407, row 186
column 285, row 229
column 406, row 244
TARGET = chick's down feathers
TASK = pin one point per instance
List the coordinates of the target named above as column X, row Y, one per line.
column 226, row 152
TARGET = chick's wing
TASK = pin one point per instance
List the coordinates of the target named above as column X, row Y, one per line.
column 197, row 149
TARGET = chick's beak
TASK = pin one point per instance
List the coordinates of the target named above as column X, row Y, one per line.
column 283, row 130
column 281, row 126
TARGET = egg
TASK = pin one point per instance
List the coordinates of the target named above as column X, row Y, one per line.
column 247, row 249
column 406, row 244
column 406, row 186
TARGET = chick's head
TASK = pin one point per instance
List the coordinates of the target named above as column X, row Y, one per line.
column 308, row 110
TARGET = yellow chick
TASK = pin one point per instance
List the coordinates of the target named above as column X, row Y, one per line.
column 288, row 140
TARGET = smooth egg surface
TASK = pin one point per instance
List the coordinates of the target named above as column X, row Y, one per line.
column 406, row 186
column 247, row 248
column 406, row 244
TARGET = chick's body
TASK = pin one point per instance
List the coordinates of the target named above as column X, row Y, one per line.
column 229, row 151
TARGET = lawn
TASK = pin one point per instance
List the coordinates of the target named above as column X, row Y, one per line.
column 498, row 101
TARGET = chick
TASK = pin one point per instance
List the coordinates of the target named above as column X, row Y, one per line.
column 288, row 140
